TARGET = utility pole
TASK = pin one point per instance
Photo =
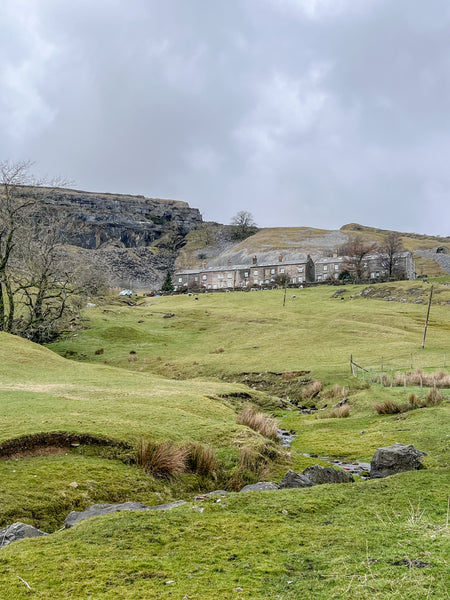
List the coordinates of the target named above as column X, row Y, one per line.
column 428, row 315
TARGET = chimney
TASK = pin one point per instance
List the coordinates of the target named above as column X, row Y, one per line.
column 335, row 253
column 255, row 260
column 229, row 263
column 280, row 258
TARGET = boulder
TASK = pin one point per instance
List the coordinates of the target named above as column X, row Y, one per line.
column 262, row 486
column 97, row 510
column 18, row 531
column 320, row 475
column 395, row 459
column 295, row 480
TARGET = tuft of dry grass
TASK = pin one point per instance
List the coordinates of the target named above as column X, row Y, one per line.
column 254, row 463
column 387, row 408
column 434, row 397
column 161, row 459
column 201, row 459
column 440, row 378
column 339, row 412
column 258, row 421
column 218, row 350
column 337, row 392
column 311, row 390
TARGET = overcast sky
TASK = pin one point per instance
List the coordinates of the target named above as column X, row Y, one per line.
column 303, row 112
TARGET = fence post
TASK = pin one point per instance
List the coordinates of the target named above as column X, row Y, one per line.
column 404, row 383
column 351, row 364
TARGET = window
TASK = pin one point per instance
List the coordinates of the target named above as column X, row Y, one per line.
column 377, row 274
column 336, row 275
column 372, row 276
column 300, row 279
column 294, row 280
column 325, row 267
column 300, row 269
column 246, row 274
column 267, row 281
column 204, row 277
column 229, row 276
column 272, row 271
column 281, row 270
column 180, row 280
column 220, row 276
column 195, row 278
column 336, row 267
column 319, row 277
column 229, row 284
column 255, row 272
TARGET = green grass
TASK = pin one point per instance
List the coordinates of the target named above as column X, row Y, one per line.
column 314, row 332
column 325, row 542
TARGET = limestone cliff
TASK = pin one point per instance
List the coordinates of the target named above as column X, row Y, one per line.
column 132, row 240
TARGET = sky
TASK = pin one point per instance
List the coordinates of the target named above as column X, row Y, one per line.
column 303, row 112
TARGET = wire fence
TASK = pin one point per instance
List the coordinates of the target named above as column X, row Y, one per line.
column 411, row 369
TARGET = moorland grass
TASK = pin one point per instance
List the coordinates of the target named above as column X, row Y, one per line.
column 367, row 541
column 362, row 540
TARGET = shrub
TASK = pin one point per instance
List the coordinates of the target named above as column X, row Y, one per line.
column 201, row 459
column 260, row 422
column 161, row 459
column 99, row 351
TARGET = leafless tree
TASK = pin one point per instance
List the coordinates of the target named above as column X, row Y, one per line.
column 35, row 286
column 393, row 244
column 243, row 225
column 356, row 252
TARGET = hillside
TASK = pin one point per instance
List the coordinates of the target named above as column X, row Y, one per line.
column 130, row 241
column 369, row 540
column 214, row 245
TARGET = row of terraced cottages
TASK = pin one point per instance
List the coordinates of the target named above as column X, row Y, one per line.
column 303, row 270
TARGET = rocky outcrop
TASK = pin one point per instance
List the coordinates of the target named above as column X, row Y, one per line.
column 395, row 459
column 96, row 510
column 116, row 232
column 295, row 480
column 319, row 475
column 18, row 531
column 262, row 486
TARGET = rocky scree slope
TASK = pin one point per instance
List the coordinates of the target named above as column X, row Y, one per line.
column 129, row 240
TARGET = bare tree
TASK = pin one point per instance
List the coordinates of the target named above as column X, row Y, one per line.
column 243, row 225
column 393, row 244
column 356, row 252
column 34, row 284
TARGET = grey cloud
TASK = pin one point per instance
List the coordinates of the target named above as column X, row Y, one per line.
column 305, row 113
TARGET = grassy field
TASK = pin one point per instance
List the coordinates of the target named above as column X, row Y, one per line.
column 133, row 374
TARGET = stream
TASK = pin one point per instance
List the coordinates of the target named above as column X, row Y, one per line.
column 355, row 467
